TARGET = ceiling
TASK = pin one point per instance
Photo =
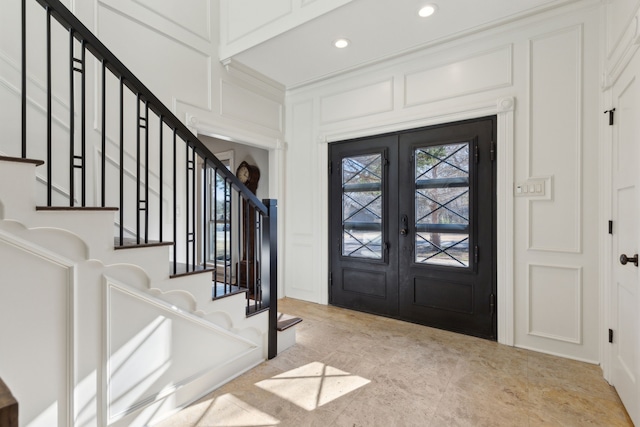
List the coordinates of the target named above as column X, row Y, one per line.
column 377, row 29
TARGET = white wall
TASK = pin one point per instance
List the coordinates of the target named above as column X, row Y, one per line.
column 542, row 77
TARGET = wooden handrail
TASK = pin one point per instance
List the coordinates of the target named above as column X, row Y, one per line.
column 8, row 407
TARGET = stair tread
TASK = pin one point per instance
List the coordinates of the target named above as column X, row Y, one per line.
column 21, row 160
column 132, row 243
column 287, row 323
column 181, row 270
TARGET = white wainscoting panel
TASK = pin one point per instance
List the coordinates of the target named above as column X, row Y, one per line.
column 191, row 82
column 555, row 140
column 477, row 73
column 555, row 302
column 298, row 186
column 195, row 19
column 360, row 102
column 302, row 259
column 240, row 103
column 37, row 364
column 153, row 349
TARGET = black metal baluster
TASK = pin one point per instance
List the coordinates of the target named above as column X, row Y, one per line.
column 186, row 194
column 246, row 240
column 146, row 169
column 254, row 258
column 175, row 205
column 121, row 161
column 193, row 208
column 83, row 136
column 24, row 79
column 239, row 235
column 49, row 148
column 161, row 179
column 138, row 169
column 205, row 213
column 227, row 249
column 103, row 176
column 215, row 232
column 72, row 114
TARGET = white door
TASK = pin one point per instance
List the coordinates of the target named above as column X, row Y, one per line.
column 625, row 304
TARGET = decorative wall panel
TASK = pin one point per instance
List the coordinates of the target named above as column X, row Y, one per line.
column 482, row 72
column 190, row 83
column 37, row 366
column 195, row 18
column 243, row 104
column 298, row 172
column 555, row 140
column 357, row 103
column 555, row 302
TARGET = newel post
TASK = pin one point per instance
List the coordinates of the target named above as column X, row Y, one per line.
column 270, row 272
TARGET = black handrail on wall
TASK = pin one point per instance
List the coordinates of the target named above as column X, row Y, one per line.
column 212, row 195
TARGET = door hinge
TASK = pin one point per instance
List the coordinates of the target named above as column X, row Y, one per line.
column 493, row 304
column 611, row 113
column 611, row 335
column 477, row 154
column 476, row 255
column 493, row 151
column 330, row 166
column 610, row 227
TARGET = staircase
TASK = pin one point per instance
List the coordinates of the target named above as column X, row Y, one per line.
column 101, row 334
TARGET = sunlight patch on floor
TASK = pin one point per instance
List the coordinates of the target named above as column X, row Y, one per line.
column 232, row 412
column 312, row 385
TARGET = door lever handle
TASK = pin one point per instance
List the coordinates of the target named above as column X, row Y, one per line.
column 625, row 259
column 404, row 228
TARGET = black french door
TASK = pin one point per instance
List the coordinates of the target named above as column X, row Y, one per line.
column 413, row 226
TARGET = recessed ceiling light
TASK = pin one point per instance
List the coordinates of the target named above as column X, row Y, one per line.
column 427, row 10
column 341, row 43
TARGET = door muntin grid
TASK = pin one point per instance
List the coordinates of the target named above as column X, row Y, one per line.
column 362, row 206
column 442, row 209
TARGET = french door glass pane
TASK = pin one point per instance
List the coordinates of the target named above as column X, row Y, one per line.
column 442, row 204
column 362, row 206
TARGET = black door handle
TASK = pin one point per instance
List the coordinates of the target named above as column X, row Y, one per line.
column 404, row 228
column 625, row 259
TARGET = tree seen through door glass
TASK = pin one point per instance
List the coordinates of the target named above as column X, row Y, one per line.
column 362, row 206
column 442, row 205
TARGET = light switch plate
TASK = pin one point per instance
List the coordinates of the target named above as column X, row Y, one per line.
column 531, row 188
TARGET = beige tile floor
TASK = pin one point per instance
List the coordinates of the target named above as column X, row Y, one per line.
column 352, row 369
